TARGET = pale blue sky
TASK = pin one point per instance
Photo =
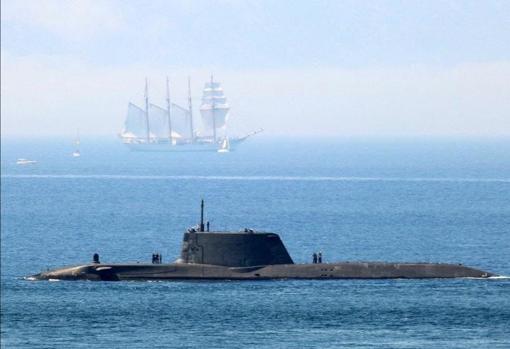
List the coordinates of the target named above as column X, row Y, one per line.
column 353, row 67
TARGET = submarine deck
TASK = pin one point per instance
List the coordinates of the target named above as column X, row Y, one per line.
column 342, row 270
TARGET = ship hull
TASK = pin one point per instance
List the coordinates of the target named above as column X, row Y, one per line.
column 185, row 147
column 323, row 271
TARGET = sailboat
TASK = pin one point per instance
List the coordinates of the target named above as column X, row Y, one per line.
column 76, row 153
column 225, row 146
column 172, row 129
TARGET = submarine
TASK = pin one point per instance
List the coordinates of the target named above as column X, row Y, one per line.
column 249, row 255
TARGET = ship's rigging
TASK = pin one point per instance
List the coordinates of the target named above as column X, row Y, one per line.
column 174, row 125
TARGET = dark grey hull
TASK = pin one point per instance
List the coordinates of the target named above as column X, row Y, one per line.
column 185, row 271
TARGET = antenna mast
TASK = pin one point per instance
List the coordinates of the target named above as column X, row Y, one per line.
column 147, row 110
column 202, row 216
column 213, row 109
column 168, row 111
column 190, row 112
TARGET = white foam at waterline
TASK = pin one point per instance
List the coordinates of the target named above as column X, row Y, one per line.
column 499, row 277
column 263, row 178
column 53, row 280
column 495, row 277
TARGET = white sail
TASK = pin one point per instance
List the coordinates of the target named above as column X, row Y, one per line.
column 158, row 121
column 214, row 108
column 224, row 146
column 181, row 121
column 76, row 152
column 135, row 125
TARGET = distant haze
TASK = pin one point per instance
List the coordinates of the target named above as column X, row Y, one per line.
column 339, row 68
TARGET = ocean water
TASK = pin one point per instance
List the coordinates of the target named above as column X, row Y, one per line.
column 364, row 200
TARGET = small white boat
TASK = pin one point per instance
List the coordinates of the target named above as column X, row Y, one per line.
column 225, row 146
column 21, row 161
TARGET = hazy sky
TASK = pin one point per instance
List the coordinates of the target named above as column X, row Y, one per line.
column 336, row 68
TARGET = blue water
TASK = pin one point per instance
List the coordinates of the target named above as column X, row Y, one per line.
column 403, row 200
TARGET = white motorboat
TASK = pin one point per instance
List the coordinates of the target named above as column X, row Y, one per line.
column 22, row 161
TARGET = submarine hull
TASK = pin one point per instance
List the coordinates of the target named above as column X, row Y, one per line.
column 186, row 271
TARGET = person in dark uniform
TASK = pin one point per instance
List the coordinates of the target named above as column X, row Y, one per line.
column 319, row 257
column 314, row 256
column 95, row 258
column 207, row 225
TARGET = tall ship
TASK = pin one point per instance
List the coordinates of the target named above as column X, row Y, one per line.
column 173, row 129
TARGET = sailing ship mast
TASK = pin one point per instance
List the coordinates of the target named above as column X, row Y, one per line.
column 147, row 110
column 190, row 111
column 168, row 111
column 214, row 109
column 213, row 106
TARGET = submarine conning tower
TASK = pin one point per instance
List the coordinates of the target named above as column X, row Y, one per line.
column 232, row 249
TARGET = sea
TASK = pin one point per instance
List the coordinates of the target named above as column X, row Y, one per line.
column 353, row 199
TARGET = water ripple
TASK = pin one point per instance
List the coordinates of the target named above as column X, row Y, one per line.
column 259, row 178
